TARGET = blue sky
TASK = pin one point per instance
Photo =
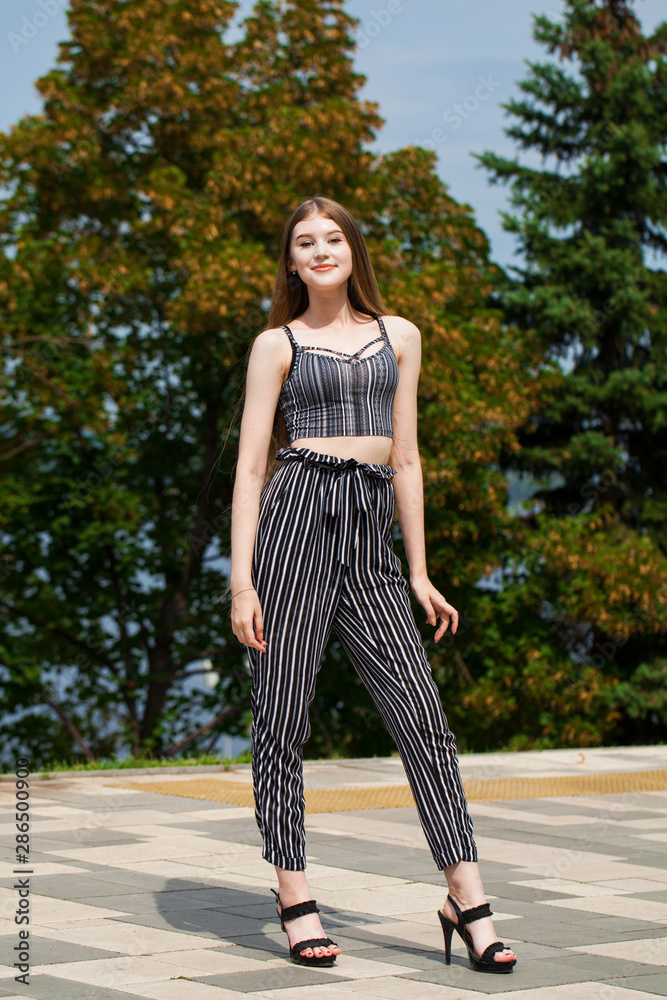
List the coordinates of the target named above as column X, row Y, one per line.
column 421, row 58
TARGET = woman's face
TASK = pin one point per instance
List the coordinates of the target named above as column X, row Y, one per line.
column 320, row 253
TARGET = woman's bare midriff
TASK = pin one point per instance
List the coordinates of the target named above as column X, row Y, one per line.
column 363, row 448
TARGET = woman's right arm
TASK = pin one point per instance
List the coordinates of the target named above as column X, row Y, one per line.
column 266, row 371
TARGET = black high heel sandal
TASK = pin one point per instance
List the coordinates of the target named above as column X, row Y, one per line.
column 300, row 910
column 478, row 963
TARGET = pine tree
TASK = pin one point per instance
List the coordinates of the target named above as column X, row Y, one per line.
column 590, row 222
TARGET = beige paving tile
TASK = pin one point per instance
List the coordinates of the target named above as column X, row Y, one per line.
column 49, row 910
column 405, row 932
column 216, row 815
column 200, row 962
column 400, row 899
column 534, row 817
column 167, row 869
column 582, row 889
column 390, row 988
column 139, row 817
column 335, row 991
column 45, row 868
column 130, row 939
column 319, row 874
column 657, row 823
column 111, row 972
column 429, row 917
column 165, row 848
column 230, row 858
column 365, row 968
column 383, row 832
column 652, row 951
column 151, row 830
column 576, row 991
column 581, row 871
column 538, row 858
column 634, row 884
column 184, row 989
column 7, row 926
column 612, row 906
column 659, row 838
column 7, row 972
column 42, row 808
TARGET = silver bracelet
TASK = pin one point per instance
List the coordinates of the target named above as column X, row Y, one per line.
column 241, row 592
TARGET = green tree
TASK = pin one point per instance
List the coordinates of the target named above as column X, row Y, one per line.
column 139, row 236
column 581, row 647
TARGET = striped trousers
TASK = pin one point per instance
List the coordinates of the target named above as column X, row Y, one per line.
column 324, row 558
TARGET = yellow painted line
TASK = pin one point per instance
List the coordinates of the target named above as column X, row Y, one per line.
column 328, row 800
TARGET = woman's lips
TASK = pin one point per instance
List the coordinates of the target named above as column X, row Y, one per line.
column 324, row 267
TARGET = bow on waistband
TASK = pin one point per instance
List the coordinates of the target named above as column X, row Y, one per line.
column 347, row 493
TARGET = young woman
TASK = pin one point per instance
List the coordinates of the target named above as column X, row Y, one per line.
column 335, row 392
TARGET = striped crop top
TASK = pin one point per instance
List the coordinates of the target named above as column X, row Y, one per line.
column 325, row 395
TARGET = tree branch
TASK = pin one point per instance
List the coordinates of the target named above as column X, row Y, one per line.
column 227, row 713
column 69, row 724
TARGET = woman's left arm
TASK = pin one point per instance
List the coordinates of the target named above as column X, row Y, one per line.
column 408, row 481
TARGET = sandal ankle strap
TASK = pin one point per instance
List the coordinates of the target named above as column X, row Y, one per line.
column 474, row 913
column 298, row 910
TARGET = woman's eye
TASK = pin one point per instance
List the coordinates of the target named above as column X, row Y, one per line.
column 307, row 243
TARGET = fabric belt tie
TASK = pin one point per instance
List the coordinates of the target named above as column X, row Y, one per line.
column 346, row 495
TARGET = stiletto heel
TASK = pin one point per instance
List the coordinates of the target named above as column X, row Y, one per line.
column 478, row 963
column 288, row 913
column 448, row 929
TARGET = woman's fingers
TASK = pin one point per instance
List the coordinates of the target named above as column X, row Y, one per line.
column 248, row 623
column 447, row 614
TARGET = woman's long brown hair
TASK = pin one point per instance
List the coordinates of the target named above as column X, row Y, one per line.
column 290, row 295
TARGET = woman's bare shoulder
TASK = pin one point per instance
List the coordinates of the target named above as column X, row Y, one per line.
column 402, row 333
column 271, row 347
column 271, row 338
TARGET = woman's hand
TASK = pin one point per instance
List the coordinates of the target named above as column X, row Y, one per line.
column 247, row 622
column 435, row 606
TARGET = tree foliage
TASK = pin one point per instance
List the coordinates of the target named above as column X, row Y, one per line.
column 587, row 595
column 139, row 234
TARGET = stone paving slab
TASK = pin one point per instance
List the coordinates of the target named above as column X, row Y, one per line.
column 137, row 894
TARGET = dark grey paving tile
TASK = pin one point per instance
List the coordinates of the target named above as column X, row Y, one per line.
column 280, row 979
column 269, row 944
column 660, row 896
column 138, row 904
column 76, row 885
column 403, row 955
column 117, row 877
column 227, row 926
column 260, row 946
column 44, row 951
column 567, row 934
column 602, row 967
column 530, row 975
column 350, row 918
column 45, row 987
column 216, row 829
column 506, row 891
column 650, row 860
column 648, row 984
